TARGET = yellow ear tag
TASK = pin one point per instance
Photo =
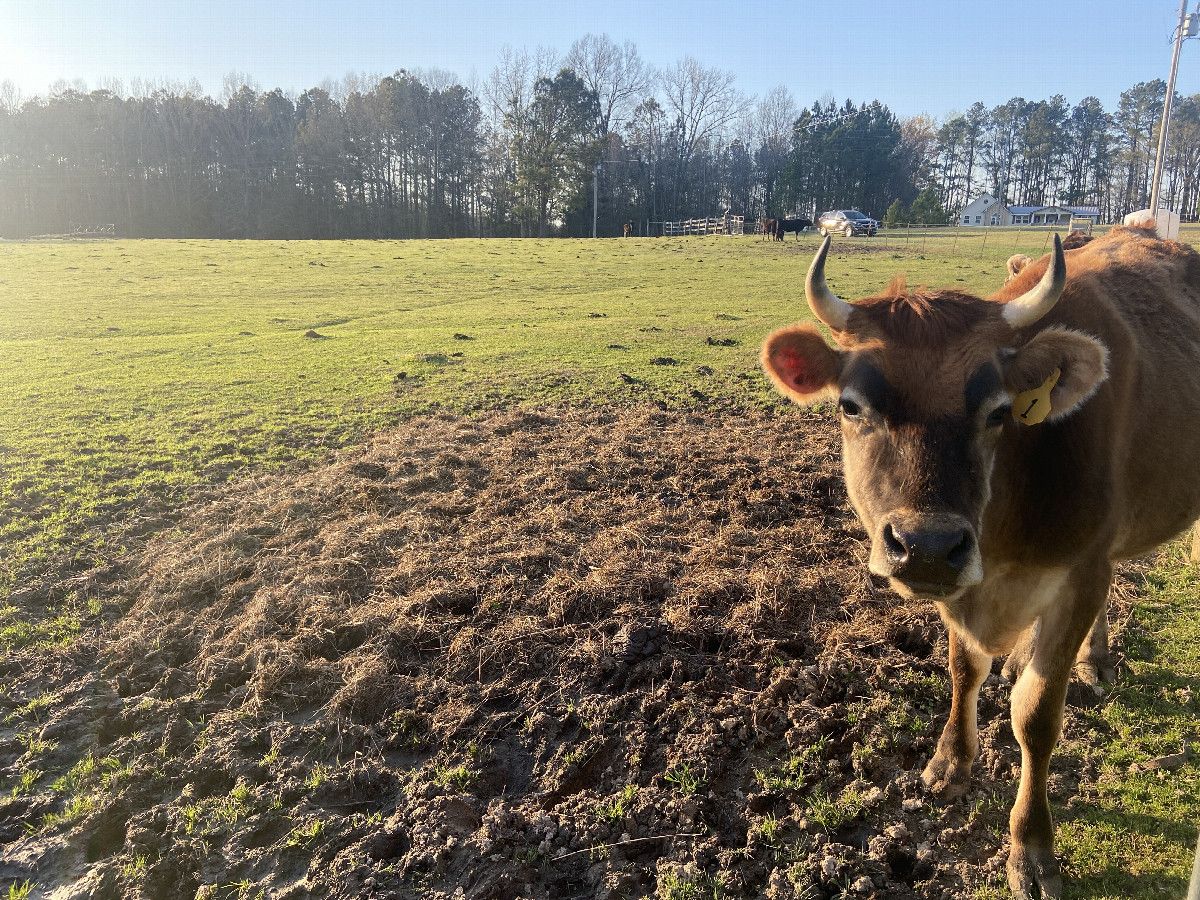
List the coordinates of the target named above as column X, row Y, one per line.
column 1032, row 407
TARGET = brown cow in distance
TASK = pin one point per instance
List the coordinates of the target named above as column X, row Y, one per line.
column 1003, row 454
column 1076, row 239
column 627, row 229
column 770, row 227
column 1072, row 241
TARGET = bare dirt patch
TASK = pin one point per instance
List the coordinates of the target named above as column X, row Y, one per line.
column 559, row 653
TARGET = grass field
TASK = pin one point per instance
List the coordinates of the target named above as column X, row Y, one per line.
column 132, row 370
column 136, row 375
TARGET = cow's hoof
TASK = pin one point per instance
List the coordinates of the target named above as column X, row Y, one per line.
column 945, row 780
column 1033, row 874
column 1096, row 674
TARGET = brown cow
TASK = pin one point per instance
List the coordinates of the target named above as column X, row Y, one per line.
column 1077, row 239
column 1019, row 261
column 627, row 229
column 770, row 227
column 1009, row 523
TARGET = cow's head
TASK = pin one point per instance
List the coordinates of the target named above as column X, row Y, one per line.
column 925, row 384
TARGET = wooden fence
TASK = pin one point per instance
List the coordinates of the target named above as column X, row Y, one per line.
column 96, row 229
column 711, row 225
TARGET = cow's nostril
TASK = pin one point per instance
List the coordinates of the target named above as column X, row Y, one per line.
column 961, row 554
column 897, row 552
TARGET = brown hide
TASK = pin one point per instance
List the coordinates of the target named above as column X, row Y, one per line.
column 1005, row 525
column 1123, row 470
column 1076, row 239
column 1126, row 466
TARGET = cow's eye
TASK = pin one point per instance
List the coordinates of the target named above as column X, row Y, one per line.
column 999, row 415
column 849, row 408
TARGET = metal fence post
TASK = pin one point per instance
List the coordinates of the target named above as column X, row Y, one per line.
column 1194, row 887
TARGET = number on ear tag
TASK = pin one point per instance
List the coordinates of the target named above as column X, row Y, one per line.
column 1032, row 407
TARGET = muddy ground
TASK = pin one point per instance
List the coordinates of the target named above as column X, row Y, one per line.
column 561, row 653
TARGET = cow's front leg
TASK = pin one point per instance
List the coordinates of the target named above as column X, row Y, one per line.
column 948, row 775
column 1037, row 712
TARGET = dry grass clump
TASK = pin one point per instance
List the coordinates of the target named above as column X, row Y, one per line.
column 494, row 553
column 563, row 648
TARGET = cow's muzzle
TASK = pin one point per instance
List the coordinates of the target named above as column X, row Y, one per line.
column 927, row 555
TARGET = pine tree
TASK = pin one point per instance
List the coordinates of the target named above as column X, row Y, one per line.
column 894, row 214
column 927, row 208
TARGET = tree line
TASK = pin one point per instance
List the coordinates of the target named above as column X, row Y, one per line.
column 526, row 151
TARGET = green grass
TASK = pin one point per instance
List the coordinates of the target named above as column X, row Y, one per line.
column 832, row 812
column 305, row 835
column 794, row 772
column 209, row 816
column 614, row 811
column 132, row 373
column 135, row 375
column 1135, row 837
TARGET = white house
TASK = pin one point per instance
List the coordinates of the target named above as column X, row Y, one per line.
column 1052, row 215
column 986, row 210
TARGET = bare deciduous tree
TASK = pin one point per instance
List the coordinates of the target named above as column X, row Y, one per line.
column 701, row 101
column 617, row 74
column 10, row 97
column 771, row 130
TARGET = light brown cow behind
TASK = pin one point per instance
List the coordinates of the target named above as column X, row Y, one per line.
column 1073, row 241
column 1003, row 454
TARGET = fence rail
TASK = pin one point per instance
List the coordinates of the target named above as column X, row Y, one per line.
column 710, row 225
column 951, row 240
column 100, row 229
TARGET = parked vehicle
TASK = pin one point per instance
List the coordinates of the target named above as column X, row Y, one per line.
column 846, row 222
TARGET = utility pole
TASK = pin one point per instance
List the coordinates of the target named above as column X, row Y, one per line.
column 1188, row 26
column 596, row 194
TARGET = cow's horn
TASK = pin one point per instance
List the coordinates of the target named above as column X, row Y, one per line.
column 1033, row 304
column 827, row 307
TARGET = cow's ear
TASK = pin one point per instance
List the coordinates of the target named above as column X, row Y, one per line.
column 802, row 366
column 1080, row 360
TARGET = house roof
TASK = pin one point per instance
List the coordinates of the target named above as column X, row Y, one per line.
column 985, row 199
column 1075, row 210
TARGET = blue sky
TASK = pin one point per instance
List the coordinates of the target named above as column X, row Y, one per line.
column 930, row 56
